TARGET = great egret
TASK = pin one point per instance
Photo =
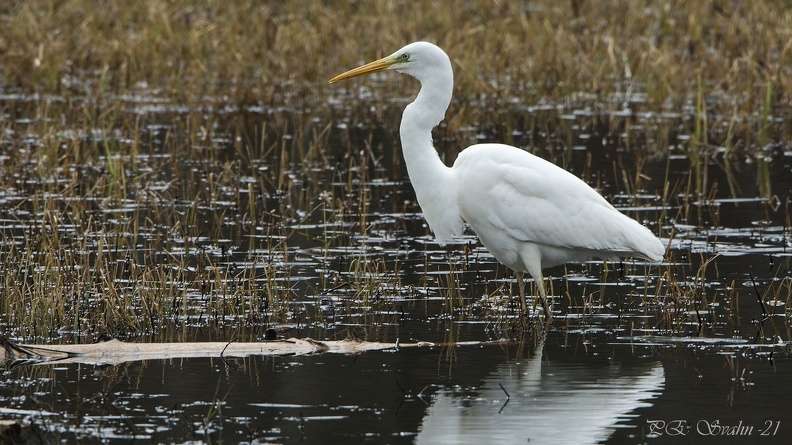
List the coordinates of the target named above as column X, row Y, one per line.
column 528, row 212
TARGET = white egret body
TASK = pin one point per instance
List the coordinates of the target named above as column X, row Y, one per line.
column 529, row 213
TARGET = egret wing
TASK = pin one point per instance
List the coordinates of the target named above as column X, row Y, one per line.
column 531, row 199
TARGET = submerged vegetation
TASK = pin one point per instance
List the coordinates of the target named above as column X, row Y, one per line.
column 168, row 165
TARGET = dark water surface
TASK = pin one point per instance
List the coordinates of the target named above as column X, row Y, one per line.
column 581, row 388
column 673, row 353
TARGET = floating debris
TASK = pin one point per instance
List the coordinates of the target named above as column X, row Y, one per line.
column 115, row 352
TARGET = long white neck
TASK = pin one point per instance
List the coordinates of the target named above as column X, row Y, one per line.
column 432, row 180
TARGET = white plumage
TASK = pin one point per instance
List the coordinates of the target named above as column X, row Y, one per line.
column 529, row 213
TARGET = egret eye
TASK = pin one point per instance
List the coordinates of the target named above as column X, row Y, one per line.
column 404, row 57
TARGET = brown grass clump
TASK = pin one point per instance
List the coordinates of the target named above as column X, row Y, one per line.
column 284, row 51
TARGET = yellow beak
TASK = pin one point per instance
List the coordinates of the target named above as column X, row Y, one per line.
column 373, row 67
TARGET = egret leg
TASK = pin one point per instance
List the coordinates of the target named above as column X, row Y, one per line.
column 521, row 286
column 542, row 294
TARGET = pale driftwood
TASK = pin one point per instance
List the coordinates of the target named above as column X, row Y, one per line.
column 114, row 352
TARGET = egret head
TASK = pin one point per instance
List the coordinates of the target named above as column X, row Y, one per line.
column 414, row 59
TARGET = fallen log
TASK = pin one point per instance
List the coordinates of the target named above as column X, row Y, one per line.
column 114, row 352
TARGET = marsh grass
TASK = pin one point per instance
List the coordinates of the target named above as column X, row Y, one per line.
column 648, row 57
column 166, row 165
